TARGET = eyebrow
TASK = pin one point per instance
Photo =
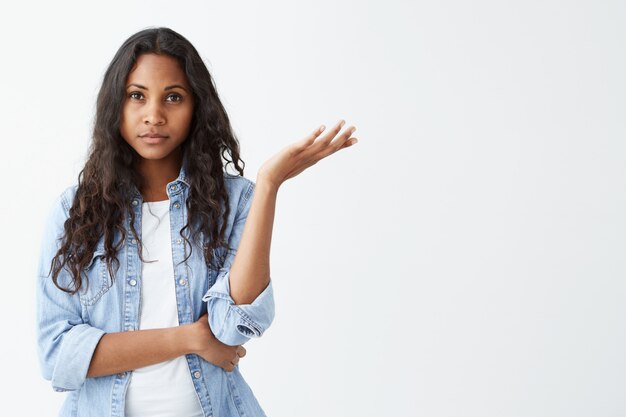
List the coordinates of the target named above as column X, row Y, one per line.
column 169, row 87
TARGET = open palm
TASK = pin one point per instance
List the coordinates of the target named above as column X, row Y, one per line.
column 300, row 155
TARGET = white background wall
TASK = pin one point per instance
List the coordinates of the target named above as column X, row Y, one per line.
column 466, row 258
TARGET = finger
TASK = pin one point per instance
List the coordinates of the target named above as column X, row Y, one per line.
column 309, row 139
column 335, row 144
column 325, row 146
column 341, row 140
column 241, row 351
column 349, row 143
column 322, row 143
column 326, row 139
column 325, row 150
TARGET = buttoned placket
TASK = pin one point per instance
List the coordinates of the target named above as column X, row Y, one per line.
column 177, row 194
column 132, row 298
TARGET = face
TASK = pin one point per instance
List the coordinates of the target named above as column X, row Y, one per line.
column 158, row 107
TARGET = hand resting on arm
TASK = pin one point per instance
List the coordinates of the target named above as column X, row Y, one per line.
column 125, row 351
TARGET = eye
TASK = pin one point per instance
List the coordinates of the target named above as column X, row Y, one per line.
column 175, row 98
column 134, row 94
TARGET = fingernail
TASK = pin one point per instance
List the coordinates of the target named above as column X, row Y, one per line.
column 343, row 122
column 322, row 128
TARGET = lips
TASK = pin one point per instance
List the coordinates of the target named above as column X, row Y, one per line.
column 153, row 135
column 153, row 138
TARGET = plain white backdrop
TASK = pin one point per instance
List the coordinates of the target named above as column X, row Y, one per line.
column 466, row 258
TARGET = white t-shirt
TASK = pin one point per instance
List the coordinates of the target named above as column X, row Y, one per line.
column 164, row 389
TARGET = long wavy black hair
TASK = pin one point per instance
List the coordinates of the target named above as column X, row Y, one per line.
column 107, row 181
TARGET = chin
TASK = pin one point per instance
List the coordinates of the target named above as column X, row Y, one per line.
column 153, row 154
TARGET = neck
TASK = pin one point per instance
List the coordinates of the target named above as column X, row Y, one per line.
column 156, row 174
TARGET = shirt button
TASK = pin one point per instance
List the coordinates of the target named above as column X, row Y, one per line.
column 132, row 282
column 176, row 205
column 133, row 241
column 182, row 281
column 174, row 187
column 179, row 241
column 121, row 374
column 135, row 202
column 196, row 374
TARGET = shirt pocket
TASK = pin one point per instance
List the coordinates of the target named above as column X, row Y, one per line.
column 97, row 284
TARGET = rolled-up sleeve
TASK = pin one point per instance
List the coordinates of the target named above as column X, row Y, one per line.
column 235, row 324
column 65, row 343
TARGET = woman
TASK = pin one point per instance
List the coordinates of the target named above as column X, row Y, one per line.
column 154, row 268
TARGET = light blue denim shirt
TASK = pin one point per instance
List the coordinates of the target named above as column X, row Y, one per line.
column 70, row 326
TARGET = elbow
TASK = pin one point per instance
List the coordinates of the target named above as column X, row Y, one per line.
column 247, row 296
column 254, row 325
column 47, row 372
column 235, row 324
column 65, row 361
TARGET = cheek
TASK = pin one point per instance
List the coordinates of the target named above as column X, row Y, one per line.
column 125, row 124
column 185, row 120
column 189, row 118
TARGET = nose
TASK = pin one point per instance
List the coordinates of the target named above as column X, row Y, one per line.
column 154, row 115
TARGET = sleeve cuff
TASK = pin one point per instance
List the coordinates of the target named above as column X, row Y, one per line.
column 234, row 324
column 72, row 364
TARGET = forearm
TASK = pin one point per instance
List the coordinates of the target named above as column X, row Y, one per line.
column 125, row 351
column 250, row 271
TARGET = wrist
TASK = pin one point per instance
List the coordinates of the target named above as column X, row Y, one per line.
column 183, row 339
column 265, row 184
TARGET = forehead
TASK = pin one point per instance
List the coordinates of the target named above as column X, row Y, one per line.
column 156, row 69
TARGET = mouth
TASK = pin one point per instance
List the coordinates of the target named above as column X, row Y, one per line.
column 153, row 138
column 152, row 135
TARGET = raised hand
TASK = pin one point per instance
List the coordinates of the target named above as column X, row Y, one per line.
column 300, row 155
